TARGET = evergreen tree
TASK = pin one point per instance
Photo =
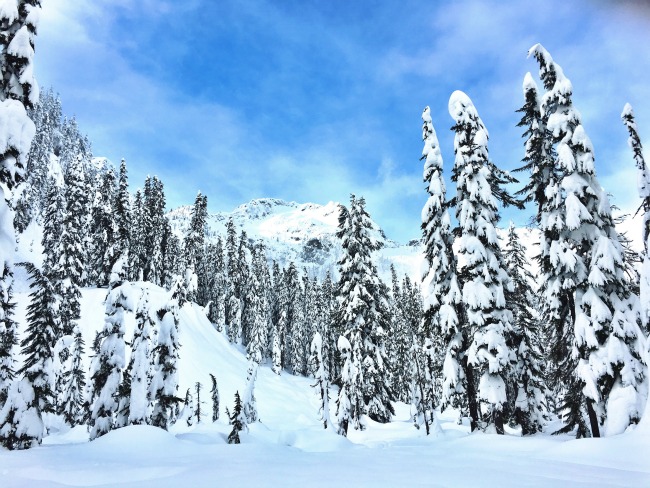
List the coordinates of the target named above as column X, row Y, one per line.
column 344, row 402
column 154, row 209
column 71, row 261
column 644, row 193
column 441, row 326
column 485, row 279
column 32, row 396
column 321, row 377
column 249, row 401
column 140, row 368
column 122, row 208
column 106, row 368
column 276, row 353
column 136, row 240
column 242, row 277
column 164, row 382
column 198, row 412
column 102, row 231
column 74, row 381
column 527, row 388
column 21, row 426
column 290, row 304
column 187, row 414
column 604, row 337
column 18, row 92
column 236, row 420
column 259, row 308
column 215, row 398
column 194, row 241
column 362, row 313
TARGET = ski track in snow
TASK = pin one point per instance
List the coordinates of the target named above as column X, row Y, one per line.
column 289, row 447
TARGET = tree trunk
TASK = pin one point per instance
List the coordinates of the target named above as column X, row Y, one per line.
column 471, row 395
column 498, row 421
column 593, row 419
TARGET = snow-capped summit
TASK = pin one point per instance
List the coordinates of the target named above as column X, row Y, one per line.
column 304, row 233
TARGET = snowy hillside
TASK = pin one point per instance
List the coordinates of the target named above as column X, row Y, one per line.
column 304, row 233
column 288, row 447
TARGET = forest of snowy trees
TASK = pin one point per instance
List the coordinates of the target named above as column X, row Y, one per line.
column 481, row 333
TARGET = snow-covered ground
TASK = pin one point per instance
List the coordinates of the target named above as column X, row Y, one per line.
column 289, row 447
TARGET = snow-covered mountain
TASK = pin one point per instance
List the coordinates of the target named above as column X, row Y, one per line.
column 303, row 233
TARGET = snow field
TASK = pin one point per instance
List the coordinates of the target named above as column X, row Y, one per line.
column 289, row 447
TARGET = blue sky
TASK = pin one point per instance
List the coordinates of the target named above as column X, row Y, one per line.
column 314, row 100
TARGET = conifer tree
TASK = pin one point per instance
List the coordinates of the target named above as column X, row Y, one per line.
column 198, row 412
column 154, row 208
column 215, row 398
column 321, row 377
column 643, row 179
column 276, row 353
column 106, row 368
column 526, row 384
column 18, row 92
column 102, row 230
column 604, row 336
column 362, row 314
column 140, row 368
column 74, row 382
column 195, row 238
column 32, row 396
column 136, row 240
column 164, row 382
column 249, row 401
column 441, row 323
column 485, row 279
column 122, row 208
column 259, row 308
column 71, row 261
column 187, row 414
column 236, row 420
column 344, row 404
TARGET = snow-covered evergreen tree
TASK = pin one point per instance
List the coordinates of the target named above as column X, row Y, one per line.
column 321, row 377
column 259, row 308
column 276, row 353
column 362, row 313
column 164, row 382
column 74, row 381
column 140, row 368
column 198, row 411
column 71, row 261
column 527, row 388
column 102, row 230
column 106, row 368
column 214, row 392
column 643, row 185
column 195, row 238
column 21, row 424
column 485, row 279
column 344, row 407
column 249, row 401
column 122, row 208
column 186, row 415
column 605, row 335
column 440, row 324
column 18, row 92
column 237, row 420
column 154, row 209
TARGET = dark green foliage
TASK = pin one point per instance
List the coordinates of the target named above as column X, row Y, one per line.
column 235, row 419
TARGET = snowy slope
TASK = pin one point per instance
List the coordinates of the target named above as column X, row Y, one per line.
column 289, row 448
